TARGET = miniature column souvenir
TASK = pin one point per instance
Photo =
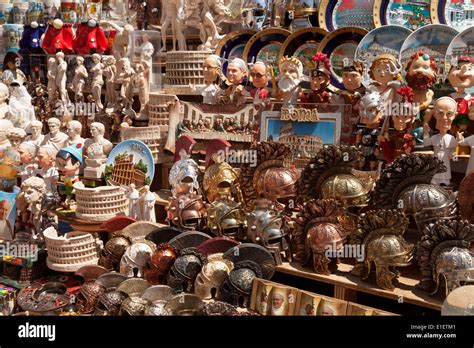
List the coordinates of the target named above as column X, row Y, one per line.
column 74, row 130
column 124, row 78
column 291, row 74
column 469, row 141
column 148, row 204
column 385, row 71
column 22, row 112
column 211, row 70
column 444, row 144
column 4, row 94
column 80, row 77
column 11, row 69
column 51, row 74
column 260, row 74
column 173, row 13
column 5, row 125
column 6, row 230
column 69, row 161
column 61, row 77
column 47, row 166
column 55, row 137
column 421, row 75
column 27, row 151
column 461, row 77
column 16, row 136
column 36, row 136
column 133, row 203
column 371, row 109
column 236, row 73
column 109, row 74
column 320, row 77
column 33, row 190
column 96, row 151
column 97, row 80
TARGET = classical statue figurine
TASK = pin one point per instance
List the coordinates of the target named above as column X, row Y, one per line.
column 320, row 78
column 11, row 69
column 27, row 151
column 5, row 125
column 33, row 190
column 148, row 204
column 209, row 33
column 421, row 74
column 96, row 150
column 36, row 136
column 61, row 77
column 173, row 13
column 47, row 170
column 51, row 74
column 55, row 137
column 385, row 72
column 260, row 75
column 461, row 77
column 124, row 78
column 141, row 82
column 122, row 40
column 4, row 94
column 469, row 141
column 237, row 71
column 109, row 73
column 444, row 144
column 69, row 161
column 146, row 51
column 289, row 78
column 22, row 112
column 74, row 130
column 79, row 81
column 133, row 203
column 16, row 136
column 212, row 69
column 97, row 80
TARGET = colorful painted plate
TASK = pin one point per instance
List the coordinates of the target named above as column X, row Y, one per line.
column 458, row 14
column 461, row 45
column 345, row 13
column 339, row 44
column 131, row 161
column 410, row 14
column 303, row 7
column 303, row 44
column 386, row 39
column 233, row 45
column 265, row 46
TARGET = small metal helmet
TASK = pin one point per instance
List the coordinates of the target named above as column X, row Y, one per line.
column 274, row 181
column 184, row 170
column 185, row 269
column 160, row 263
column 455, row 266
column 113, row 251
column 88, row 296
column 133, row 306
column 211, row 277
column 224, row 215
column 135, row 258
column 157, row 296
column 347, row 188
column 265, row 226
column 219, row 173
column 187, row 211
column 218, row 308
column 109, row 303
column 185, row 305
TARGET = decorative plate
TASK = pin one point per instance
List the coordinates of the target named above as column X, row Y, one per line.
column 458, row 14
column 265, row 46
column 386, row 39
column 410, row 14
column 303, row 44
column 233, row 45
column 461, row 45
column 339, row 44
column 345, row 13
column 433, row 39
column 131, row 161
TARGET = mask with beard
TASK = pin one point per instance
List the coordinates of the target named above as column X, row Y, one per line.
column 286, row 84
column 420, row 80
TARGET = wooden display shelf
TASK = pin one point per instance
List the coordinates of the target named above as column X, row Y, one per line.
column 347, row 285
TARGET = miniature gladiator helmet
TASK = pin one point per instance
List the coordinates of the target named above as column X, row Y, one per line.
column 113, row 251
column 109, row 303
column 266, row 226
column 185, row 305
column 135, row 258
column 133, row 306
column 444, row 250
column 187, row 210
column 157, row 296
column 380, row 232
column 185, row 169
column 331, row 174
column 317, row 231
column 88, row 297
column 213, row 273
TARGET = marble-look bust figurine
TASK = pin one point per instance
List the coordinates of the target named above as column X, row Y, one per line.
column 74, row 130
column 55, row 137
column 5, row 125
column 36, row 136
column 47, row 170
column 33, row 190
column 28, row 154
column 96, row 150
column 16, row 136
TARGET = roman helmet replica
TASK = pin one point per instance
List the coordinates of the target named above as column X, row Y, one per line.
column 406, row 185
column 380, row 232
column 319, row 229
column 250, row 261
column 88, row 296
column 188, row 264
column 218, row 171
column 136, row 258
column 185, row 305
column 331, row 174
column 157, row 296
column 270, row 178
column 113, row 251
column 134, row 304
column 109, row 302
column 266, row 226
column 185, row 169
column 444, row 250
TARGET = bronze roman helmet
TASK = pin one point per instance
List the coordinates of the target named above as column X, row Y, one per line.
column 186, row 210
column 380, row 233
column 406, row 185
column 319, row 232
column 444, row 250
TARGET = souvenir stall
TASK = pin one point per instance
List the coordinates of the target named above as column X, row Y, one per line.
column 297, row 157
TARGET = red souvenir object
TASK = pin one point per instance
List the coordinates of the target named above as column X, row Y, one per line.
column 90, row 38
column 58, row 39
